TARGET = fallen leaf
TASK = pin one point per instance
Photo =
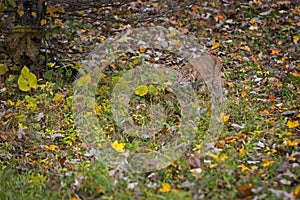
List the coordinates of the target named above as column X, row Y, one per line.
column 165, row 187
column 50, row 147
column 244, row 168
column 275, row 51
column 245, row 48
column 295, row 39
column 119, row 147
column 141, row 90
column 292, row 124
column 142, row 49
column 215, row 45
column 184, row 30
column 297, row 191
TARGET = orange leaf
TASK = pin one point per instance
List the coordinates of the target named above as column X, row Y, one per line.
column 220, row 16
column 275, row 51
column 265, row 111
column 142, row 49
column 296, row 74
column 184, row 30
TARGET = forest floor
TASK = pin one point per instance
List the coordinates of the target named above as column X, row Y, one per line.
column 43, row 155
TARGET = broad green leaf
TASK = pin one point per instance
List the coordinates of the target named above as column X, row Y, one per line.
column 12, row 3
column 3, row 69
column 23, row 84
column 27, row 80
column 58, row 96
column 152, row 90
column 84, row 80
column 48, row 75
column 141, row 90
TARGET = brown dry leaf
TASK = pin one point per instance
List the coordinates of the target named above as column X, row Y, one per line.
column 220, row 16
column 173, row 22
column 245, row 190
column 184, row 30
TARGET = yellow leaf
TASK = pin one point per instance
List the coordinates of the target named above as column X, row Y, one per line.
column 119, row 147
column 27, row 80
column 58, row 96
column 297, row 191
column 75, row 198
column 242, row 152
column 165, row 187
column 222, row 157
column 293, row 143
column 215, row 45
column 10, row 102
column 60, row 9
column 245, row 48
column 292, row 124
column 244, row 93
column 226, row 118
column 267, row 162
column 292, row 158
column 265, row 111
column 298, row 115
column 141, row 90
column 3, row 69
column 33, row 14
column 50, row 147
column 51, row 11
column 59, row 22
column 43, row 22
column 20, row 11
column 295, row 39
column 288, row 134
column 244, row 168
column 230, row 84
